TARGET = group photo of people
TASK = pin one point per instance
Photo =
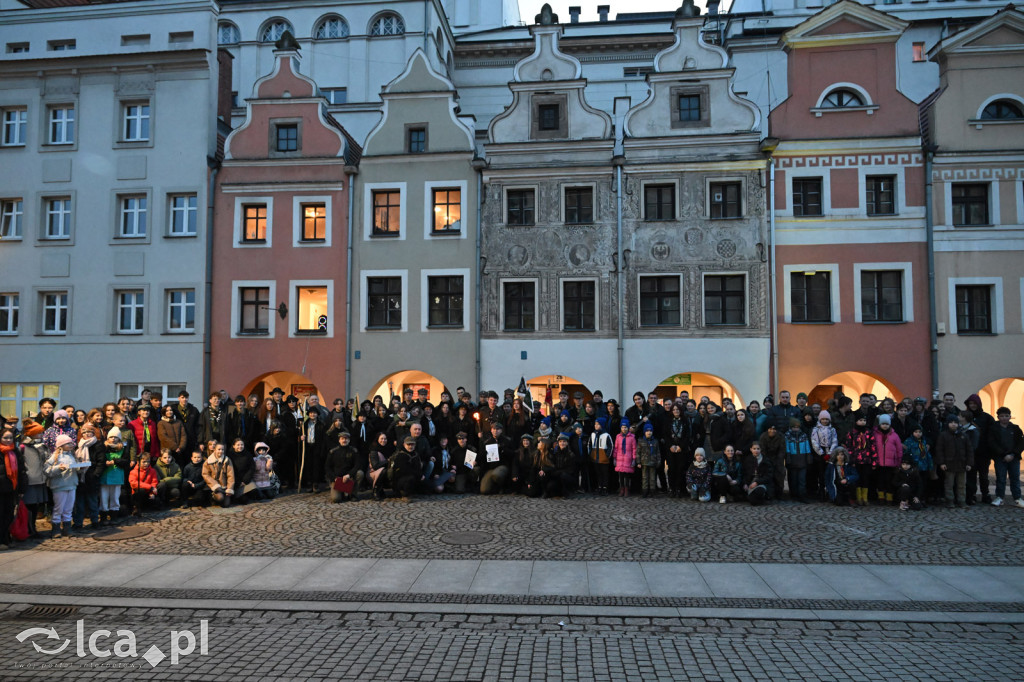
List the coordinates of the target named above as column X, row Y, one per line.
column 126, row 458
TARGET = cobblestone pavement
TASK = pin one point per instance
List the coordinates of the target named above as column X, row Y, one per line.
column 303, row 645
column 583, row 528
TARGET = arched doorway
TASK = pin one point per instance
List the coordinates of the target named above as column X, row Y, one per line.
column 852, row 384
column 697, row 385
column 397, row 382
column 1008, row 392
column 289, row 382
column 557, row 383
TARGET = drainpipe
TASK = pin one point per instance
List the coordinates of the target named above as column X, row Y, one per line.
column 478, row 165
column 768, row 147
column 620, row 109
column 929, row 219
column 214, row 166
column 351, row 172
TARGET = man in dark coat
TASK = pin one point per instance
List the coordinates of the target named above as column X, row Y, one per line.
column 343, row 462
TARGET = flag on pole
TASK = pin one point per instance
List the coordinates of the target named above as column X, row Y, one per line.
column 523, row 391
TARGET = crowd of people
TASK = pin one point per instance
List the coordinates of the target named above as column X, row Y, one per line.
column 127, row 457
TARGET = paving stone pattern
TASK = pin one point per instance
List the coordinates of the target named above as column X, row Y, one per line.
column 583, row 528
column 282, row 645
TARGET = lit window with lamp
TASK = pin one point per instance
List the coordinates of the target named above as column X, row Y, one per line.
column 447, row 211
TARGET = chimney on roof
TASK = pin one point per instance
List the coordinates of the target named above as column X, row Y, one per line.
column 574, row 14
column 602, row 12
column 713, row 6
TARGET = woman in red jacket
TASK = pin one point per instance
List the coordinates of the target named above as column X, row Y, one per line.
column 144, row 482
column 145, row 429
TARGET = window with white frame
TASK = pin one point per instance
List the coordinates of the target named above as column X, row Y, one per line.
column 134, row 391
column 387, row 24
column 842, row 98
column 520, row 206
column 131, row 311
column 23, row 399
column 273, row 31
column 58, row 218
column 974, row 309
column 579, row 305
column 313, row 309
column 335, row 95
column 61, row 124
column 660, row 202
column 811, row 296
column 254, row 311
column 135, row 126
column 970, row 203
column 54, row 312
column 447, row 213
column 12, row 211
column 314, row 222
column 10, row 304
column 331, row 27
column 387, row 212
column 725, row 199
column 725, row 300
column 60, row 45
column 228, row 34
column 881, row 295
column 15, row 127
column 578, row 205
column 18, row 48
column 254, row 223
column 659, row 301
column 181, row 310
column 184, row 215
column 133, row 216
column 880, row 194
column 446, row 301
column 383, row 302
column 519, row 299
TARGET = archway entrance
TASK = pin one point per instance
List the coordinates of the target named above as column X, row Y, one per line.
column 396, row 383
column 557, row 383
column 852, row 384
column 697, row 385
column 289, row 382
column 1008, row 392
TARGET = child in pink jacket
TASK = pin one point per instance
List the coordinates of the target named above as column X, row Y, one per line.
column 625, row 457
column 890, row 454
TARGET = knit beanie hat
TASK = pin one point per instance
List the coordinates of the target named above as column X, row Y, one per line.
column 114, row 432
column 884, row 419
column 64, row 439
column 648, row 427
column 30, row 427
column 824, row 415
column 546, row 421
column 624, row 422
column 603, row 421
column 61, row 413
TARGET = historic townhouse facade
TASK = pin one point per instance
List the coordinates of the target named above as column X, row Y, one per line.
column 108, row 115
column 413, row 314
column 974, row 124
column 849, row 212
column 280, row 279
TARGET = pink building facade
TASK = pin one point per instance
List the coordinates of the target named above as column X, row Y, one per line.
column 281, row 239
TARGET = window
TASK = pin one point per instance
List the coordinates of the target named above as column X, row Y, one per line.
column 335, row 95
column 314, row 222
column 1002, row 109
column 62, row 124
column 11, row 213
column 183, row 215
column 60, row 45
column 659, row 202
column 725, row 200
column 970, row 204
column 331, row 27
column 9, row 306
column 134, row 391
column 841, row 98
column 387, row 25
column 23, row 399
column 689, row 107
column 547, row 116
column 387, row 212
column 17, row 48
column 227, row 34
column 579, row 306
column 255, row 310
column 181, row 310
column 881, row 295
column 417, row 140
column 287, row 136
column 136, row 122
column 446, row 301
column 313, row 308
column 724, row 300
column 579, row 205
column 131, row 309
column 15, row 124
column 659, row 301
column 58, row 218
column 974, row 310
column 520, row 306
column 384, row 302
column 811, row 296
column 273, row 31
column 133, row 217
column 917, row 49
column 55, row 313
column 447, row 211
column 806, row 196
column 880, row 194
column 520, row 207
column 255, row 223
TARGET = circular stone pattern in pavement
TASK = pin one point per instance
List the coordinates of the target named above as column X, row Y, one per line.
column 469, row 537
column 975, row 538
column 126, row 533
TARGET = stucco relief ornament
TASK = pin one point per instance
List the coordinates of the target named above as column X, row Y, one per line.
column 726, row 248
column 660, row 250
column 518, row 256
column 579, row 254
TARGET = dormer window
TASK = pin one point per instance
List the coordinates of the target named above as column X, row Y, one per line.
column 1002, row 110
column 844, row 97
column 690, row 106
column 841, row 99
column 549, row 120
column 547, row 115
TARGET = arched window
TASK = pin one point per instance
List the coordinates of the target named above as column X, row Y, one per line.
column 331, row 27
column 273, row 30
column 388, row 24
column 227, row 34
column 1003, row 109
column 841, row 98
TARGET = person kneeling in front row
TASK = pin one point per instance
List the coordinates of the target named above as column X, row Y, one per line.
column 219, row 476
column 342, row 470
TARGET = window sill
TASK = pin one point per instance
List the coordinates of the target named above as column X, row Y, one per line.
column 312, row 242
column 11, row 239
column 586, row 224
column 191, row 235
column 445, row 327
column 384, row 235
column 58, row 334
column 875, row 322
column 132, row 144
column 818, row 111
column 265, row 334
column 976, row 334
column 520, row 225
column 446, row 233
column 12, row 146
column 883, row 215
column 812, row 322
column 384, row 329
column 519, row 331
column 182, row 332
column 659, row 220
column 741, row 325
column 975, row 226
column 731, row 217
column 253, row 242
column 567, row 330
column 310, row 332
